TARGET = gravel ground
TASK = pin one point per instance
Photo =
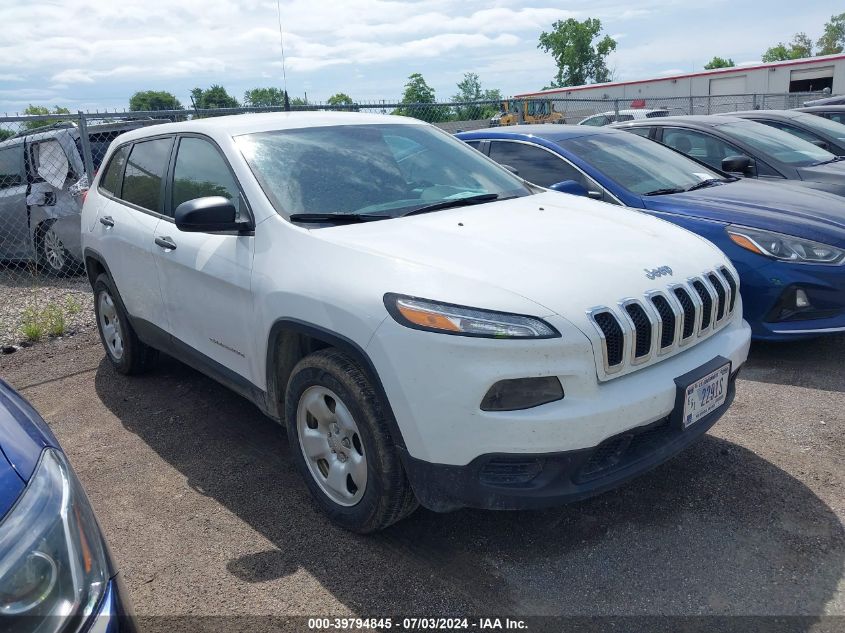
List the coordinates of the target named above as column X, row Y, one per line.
column 22, row 291
column 199, row 499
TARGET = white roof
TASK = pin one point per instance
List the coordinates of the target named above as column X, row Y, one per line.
column 237, row 124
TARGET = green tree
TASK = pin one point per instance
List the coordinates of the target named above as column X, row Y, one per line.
column 4, row 134
column 719, row 62
column 580, row 56
column 213, row 97
column 340, row 98
column 41, row 110
column 418, row 99
column 299, row 101
column 832, row 41
column 264, row 97
column 145, row 100
column 469, row 90
column 801, row 46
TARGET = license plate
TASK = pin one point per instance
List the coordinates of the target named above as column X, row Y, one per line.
column 706, row 395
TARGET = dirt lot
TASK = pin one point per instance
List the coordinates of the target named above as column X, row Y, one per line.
column 206, row 515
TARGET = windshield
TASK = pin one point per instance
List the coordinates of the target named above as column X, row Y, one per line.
column 637, row 164
column 823, row 126
column 777, row 144
column 384, row 170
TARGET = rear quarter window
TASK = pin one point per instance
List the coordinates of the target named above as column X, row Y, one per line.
column 110, row 182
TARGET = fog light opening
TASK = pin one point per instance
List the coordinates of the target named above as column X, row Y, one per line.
column 801, row 299
column 522, row 393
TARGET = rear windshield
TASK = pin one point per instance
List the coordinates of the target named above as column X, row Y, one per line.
column 823, row 126
column 777, row 144
column 370, row 169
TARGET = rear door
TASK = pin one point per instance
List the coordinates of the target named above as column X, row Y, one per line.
column 14, row 221
column 126, row 226
column 205, row 277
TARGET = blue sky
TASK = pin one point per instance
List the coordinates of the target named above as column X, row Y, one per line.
column 87, row 55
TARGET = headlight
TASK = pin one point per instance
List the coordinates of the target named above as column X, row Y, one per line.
column 423, row 314
column 53, row 565
column 785, row 247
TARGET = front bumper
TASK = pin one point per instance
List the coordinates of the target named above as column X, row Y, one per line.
column 526, row 481
column 435, row 384
column 764, row 289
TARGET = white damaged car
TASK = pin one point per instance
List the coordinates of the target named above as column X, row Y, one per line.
column 430, row 328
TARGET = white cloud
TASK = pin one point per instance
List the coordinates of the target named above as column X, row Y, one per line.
column 99, row 52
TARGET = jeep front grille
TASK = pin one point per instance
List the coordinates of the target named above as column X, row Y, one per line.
column 664, row 321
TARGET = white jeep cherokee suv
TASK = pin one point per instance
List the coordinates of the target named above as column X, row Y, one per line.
column 429, row 327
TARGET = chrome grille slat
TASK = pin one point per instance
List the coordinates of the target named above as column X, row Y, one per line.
column 664, row 321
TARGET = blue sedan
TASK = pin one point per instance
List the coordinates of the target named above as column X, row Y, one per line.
column 55, row 570
column 786, row 242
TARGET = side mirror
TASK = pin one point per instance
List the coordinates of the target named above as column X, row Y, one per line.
column 738, row 165
column 205, row 215
column 512, row 170
column 571, row 187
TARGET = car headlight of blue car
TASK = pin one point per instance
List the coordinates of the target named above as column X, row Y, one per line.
column 785, row 247
column 53, row 563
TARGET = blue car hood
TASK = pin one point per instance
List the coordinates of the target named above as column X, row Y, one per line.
column 23, row 435
column 781, row 207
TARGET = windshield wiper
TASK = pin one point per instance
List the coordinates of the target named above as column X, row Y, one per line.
column 663, row 192
column 705, row 183
column 336, row 218
column 835, row 159
column 454, row 202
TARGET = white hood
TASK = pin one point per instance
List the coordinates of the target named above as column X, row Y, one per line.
column 563, row 252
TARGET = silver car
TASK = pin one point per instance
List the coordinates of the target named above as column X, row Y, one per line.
column 42, row 182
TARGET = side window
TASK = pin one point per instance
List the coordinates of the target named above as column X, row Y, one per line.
column 839, row 117
column 706, row 148
column 110, row 182
column 639, row 131
column 624, row 117
column 145, row 173
column 11, row 166
column 597, row 121
column 201, row 171
column 474, row 144
column 534, row 164
column 804, row 134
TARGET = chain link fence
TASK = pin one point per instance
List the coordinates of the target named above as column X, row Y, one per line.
column 47, row 161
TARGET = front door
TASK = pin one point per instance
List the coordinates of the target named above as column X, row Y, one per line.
column 205, row 277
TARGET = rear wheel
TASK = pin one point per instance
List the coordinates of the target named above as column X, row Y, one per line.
column 340, row 439
column 126, row 352
column 53, row 257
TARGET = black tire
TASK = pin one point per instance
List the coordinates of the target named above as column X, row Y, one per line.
column 136, row 357
column 60, row 264
column 388, row 496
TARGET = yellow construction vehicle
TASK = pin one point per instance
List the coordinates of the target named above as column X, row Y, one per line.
column 526, row 111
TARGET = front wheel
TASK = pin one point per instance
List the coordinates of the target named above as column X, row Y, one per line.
column 340, row 439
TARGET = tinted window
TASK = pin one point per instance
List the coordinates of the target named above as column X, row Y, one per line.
column 708, row 149
column 781, row 146
column 534, row 164
column 381, row 169
column 144, row 172
column 201, row 171
column 11, row 166
column 475, row 144
column 637, row 164
column 791, row 129
column 111, row 178
column 839, row 117
column 639, row 131
column 598, row 120
column 623, row 117
column 656, row 114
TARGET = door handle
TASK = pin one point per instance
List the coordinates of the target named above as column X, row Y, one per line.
column 166, row 243
column 107, row 221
